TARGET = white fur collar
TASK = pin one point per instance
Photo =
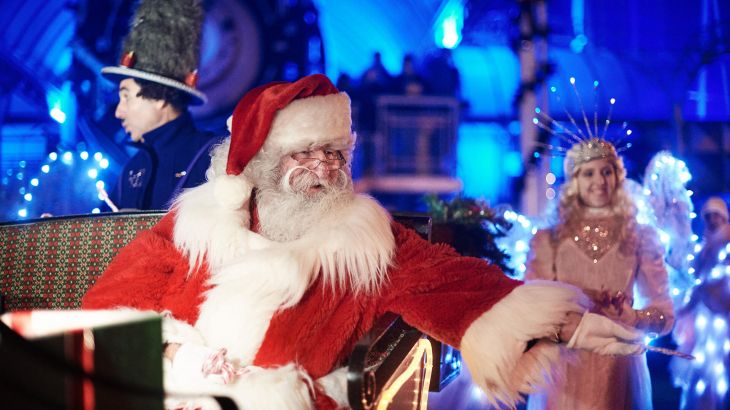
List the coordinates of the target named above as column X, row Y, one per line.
column 206, row 230
column 253, row 277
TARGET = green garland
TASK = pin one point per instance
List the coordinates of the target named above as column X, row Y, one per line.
column 470, row 226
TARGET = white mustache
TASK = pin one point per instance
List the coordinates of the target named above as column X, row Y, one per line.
column 308, row 179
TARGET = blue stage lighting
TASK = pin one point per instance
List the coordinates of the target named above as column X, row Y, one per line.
column 57, row 114
column 447, row 30
column 513, row 163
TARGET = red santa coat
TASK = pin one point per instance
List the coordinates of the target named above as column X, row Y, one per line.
column 433, row 288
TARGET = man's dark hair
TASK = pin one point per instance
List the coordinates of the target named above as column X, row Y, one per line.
column 179, row 100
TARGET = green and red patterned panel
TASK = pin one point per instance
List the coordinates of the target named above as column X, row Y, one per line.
column 50, row 263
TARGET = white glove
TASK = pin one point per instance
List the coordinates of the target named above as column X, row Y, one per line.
column 602, row 335
column 194, row 366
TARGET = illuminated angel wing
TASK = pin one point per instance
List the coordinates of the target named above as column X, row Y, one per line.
column 668, row 207
column 667, row 196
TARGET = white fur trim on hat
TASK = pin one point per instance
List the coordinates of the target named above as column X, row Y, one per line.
column 232, row 191
column 312, row 122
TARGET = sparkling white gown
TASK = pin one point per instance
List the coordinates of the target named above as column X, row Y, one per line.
column 591, row 259
column 702, row 330
column 703, row 333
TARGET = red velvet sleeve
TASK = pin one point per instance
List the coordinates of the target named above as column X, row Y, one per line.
column 438, row 291
column 148, row 274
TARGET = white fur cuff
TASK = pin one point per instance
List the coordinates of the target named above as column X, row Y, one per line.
column 178, row 331
column 187, row 367
column 494, row 345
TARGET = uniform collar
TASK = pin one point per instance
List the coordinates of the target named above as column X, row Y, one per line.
column 166, row 134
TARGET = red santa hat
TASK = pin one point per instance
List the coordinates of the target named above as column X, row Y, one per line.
column 282, row 118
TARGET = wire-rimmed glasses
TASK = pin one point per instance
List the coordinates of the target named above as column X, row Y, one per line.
column 333, row 159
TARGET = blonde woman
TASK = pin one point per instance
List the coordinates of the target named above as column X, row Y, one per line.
column 598, row 246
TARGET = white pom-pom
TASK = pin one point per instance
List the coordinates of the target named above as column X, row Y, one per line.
column 232, row 191
column 229, row 124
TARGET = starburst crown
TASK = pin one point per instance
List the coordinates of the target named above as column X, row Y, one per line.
column 586, row 144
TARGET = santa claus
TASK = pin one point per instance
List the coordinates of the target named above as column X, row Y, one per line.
column 268, row 273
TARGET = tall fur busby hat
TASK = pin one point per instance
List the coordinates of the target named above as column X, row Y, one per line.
column 163, row 46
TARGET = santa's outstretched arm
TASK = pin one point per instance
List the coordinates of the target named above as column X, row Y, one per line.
column 492, row 319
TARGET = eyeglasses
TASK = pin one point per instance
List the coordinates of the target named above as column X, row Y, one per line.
column 334, row 160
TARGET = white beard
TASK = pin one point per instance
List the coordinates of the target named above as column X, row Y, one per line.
column 286, row 209
column 345, row 238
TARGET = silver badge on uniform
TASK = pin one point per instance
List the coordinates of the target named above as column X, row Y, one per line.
column 135, row 178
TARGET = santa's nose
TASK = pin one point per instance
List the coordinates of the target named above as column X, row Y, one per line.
column 321, row 169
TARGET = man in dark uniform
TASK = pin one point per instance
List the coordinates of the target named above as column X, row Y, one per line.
column 158, row 74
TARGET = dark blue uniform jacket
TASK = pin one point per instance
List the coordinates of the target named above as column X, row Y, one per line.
column 172, row 157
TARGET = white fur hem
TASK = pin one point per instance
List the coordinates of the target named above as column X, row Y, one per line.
column 245, row 295
column 494, row 345
column 285, row 387
column 335, row 386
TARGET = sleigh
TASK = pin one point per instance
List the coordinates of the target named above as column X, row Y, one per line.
column 49, row 264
